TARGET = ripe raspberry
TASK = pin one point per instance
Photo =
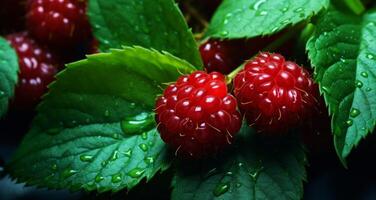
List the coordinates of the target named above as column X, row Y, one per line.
column 196, row 115
column 274, row 94
column 217, row 56
column 61, row 23
column 37, row 69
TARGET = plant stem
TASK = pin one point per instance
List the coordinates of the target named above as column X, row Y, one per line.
column 356, row 6
column 197, row 15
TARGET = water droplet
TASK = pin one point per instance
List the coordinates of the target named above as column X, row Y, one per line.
column 258, row 4
column 229, row 173
column 136, row 173
column 299, row 10
column 358, row 84
column 143, row 147
column 104, row 163
column 349, row 122
column 54, row 167
column 224, row 33
column 256, row 172
column 221, row 189
column 86, row 158
column 368, row 89
column 137, row 124
column 274, row 29
column 106, row 113
column 68, row 173
column 371, row 56
column 261, row 13
column 128, row 153
column 116, row 136
column 106, row 42
column 149, row 160
column 285, row 9
column 144, row 136
column 284, row 22
column 114, row 156
column 99, row 178
column 240, row 164
column 364, row 74
column 225, row 21
column 238, row 185
column 116, row 178
column 354, row 112
column 2, row 93
column 325, row 89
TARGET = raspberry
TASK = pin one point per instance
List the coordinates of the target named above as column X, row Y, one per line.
column 217, row 56
column 37, row 69
column 274, row 94
column 61, row 23
column 196, row 115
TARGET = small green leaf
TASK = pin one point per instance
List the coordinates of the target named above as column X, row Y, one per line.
column 157, row 24
column 258, row 168
column 8, row 74
column 343, row 53
column 251, row 18
column 78, row 139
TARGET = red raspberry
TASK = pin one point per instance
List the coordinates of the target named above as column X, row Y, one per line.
column 274, row 94
column 217, row 56
column 37, row 69
column 196, row 115
column 61, row 23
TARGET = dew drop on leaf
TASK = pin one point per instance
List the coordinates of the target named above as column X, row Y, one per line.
column 143, row 147
column 68, row 173
column 99, row 178
column 2, row 93
column 299, row 10
column 116, row 178
column 136, row 173
column 220, row 189
column 229, row 173
column 106, row 113
column 358, row 84
column 368, row 89
column 258, row 4
column 149, row 160
column 349, row 122
column 364, row 74
column 86, row 158
column 224, row 33
column 240, row 164
column 261, row 13
column 354, row 112
column 371, row 56
column 54, row 167
column 285, row 9
column 144, row 135
column 238, row 185
column 137, row 124
column 114, row 156
column 128, row 153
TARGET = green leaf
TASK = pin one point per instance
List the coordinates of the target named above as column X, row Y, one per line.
column 251, row 18
column 258, row 168
column 343, row 53
column 8, row 74
column 96, row 129
column 157, row 24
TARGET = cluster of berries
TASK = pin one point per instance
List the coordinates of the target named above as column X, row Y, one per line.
column 54, row 29
column 198, row 115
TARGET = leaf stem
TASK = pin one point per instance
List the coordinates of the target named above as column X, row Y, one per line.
column 356, row 6
column 271, row 47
